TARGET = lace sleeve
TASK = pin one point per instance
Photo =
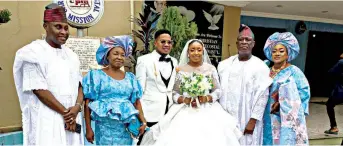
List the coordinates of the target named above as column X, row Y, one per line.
column 303, row 88
column 137, row 91
column 33, row 78
column 216, row 91
column 176, row 89
column 91, row 85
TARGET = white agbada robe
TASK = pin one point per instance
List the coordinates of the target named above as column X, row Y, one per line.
column 39, row 66
column 245, row 93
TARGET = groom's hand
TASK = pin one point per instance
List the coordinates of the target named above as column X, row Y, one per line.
column 249, row 129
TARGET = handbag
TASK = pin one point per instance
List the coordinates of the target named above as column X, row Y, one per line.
column 133, row 127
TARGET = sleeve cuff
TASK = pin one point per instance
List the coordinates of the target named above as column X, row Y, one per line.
column 176, row 97
column 257, row 117
column 214, row 97
column 35, row 87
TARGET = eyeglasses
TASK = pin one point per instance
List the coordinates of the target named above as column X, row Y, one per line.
column 168, row 42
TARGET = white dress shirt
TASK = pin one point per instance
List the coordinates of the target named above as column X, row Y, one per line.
column 165, row 68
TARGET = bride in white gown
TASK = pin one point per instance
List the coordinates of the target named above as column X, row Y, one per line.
column 188, row 125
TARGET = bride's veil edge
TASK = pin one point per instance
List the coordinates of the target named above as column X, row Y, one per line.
column 184, row 55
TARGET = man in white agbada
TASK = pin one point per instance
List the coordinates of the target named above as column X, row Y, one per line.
column 47, row 79
column 245, row 80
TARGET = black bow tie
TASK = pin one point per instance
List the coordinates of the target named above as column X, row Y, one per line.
column 163, row 58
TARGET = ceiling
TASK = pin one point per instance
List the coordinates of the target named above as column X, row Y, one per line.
column 324, row 10
column 320, row 9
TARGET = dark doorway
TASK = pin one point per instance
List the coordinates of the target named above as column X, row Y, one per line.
column 323, row 52
column 261, row 36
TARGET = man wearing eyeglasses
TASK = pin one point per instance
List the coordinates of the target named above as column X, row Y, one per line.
column 156, row 72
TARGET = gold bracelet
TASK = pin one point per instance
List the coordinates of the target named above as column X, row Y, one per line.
column 79, row 104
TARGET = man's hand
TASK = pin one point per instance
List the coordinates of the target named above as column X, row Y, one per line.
column 71, row 127
column 70, row 116
column 249, row 129
column 275, row 108
column 46, row 97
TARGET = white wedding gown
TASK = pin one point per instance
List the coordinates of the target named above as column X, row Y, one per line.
column 208, row 125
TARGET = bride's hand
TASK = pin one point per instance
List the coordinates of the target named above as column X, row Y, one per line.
column 187, row 100
column 202, row 99
column 184, row 100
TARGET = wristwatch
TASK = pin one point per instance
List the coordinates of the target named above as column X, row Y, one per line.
column 79, row 104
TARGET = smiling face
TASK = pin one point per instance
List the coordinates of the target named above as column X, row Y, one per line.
column 195, row 52
column 164, row 44
column 279, row 54
column 57, row 33
column 116, row 57
column 245, row 44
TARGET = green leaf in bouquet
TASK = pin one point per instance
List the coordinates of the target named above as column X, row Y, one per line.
column 194, row 74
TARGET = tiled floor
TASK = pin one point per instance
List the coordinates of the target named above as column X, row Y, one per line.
column 318, row 122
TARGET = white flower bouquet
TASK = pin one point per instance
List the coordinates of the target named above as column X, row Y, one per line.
column 194, row 85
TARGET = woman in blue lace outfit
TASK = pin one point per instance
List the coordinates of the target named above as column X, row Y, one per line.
column 284, row 121
column 112, row 96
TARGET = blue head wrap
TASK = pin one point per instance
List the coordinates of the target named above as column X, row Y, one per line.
column 286, row 39
column 108, row 43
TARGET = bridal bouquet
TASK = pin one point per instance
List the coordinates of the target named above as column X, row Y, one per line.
column 194, row 85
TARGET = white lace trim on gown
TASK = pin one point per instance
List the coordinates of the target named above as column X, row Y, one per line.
column 182, row 125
